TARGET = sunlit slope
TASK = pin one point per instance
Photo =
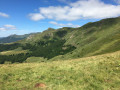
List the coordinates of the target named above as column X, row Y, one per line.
column 97, row 73
column 94, row 38
column 13, row 52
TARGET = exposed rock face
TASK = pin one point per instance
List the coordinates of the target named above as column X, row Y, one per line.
column 30, row 37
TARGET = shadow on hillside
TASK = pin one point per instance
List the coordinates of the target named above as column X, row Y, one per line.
column 49, row 49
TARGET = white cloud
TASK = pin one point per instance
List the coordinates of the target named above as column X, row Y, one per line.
column 82, row 9
column 53, row 22
column 4, row 15
column 7, row 27
column 36, row 16
column 2, row 29
column 10, row 26
column 117, row 1
column 63, row 25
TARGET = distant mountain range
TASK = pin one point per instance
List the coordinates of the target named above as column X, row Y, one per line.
column 13, row 38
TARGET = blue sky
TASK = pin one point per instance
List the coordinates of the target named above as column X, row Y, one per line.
column 27, row 16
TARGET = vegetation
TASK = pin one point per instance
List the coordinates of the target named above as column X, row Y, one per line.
column 13, row 52
column 49, row 49
column 6, row 47
column 13, row 58
column 35, row 60
column 92, row 73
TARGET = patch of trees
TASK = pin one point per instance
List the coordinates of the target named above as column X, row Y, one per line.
column 13, row 58
column 6, row 47
column 46, row 49
column 49, row 49
column 61, row 33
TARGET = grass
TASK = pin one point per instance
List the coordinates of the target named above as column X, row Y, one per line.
column 35, row 59
column 14, row 52
column 11, row 52
column 91, row 73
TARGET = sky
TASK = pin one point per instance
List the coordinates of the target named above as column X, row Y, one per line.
column 29, row 16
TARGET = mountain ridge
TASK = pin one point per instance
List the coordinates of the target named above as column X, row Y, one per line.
column 14, row 38
column 69, row 43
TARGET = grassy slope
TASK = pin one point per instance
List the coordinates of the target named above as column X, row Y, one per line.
column 94, row 39
column 15, row 51
column 11, row 52
column 94, row 73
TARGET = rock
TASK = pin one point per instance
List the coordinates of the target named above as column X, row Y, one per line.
column 40, row 85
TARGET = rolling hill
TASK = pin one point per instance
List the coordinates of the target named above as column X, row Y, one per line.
column 94, row 38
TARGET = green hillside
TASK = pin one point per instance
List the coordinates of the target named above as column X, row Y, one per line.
column 92, row 73
column 94, row 38
column 91, row 39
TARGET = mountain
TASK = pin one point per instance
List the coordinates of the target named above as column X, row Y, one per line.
column 65, row 43
column 13, row 38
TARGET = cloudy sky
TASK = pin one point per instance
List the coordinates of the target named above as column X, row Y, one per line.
column 27, row 16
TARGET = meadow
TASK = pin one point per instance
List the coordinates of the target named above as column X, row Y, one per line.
column 12, row 52
column 100, row 72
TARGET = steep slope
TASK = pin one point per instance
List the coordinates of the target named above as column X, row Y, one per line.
column 94, row 38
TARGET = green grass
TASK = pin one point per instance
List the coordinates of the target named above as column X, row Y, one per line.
column 35, row 60
column 11, row 52
column 93, row 39
column 14, row 52
column 91, row 73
